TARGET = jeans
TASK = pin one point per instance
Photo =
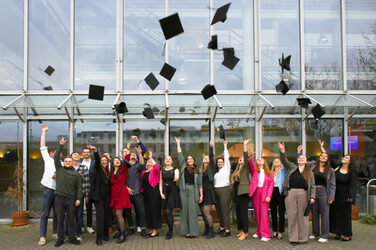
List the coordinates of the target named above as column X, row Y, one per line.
column 48, row 202
column 79, row 219
column 139, row 207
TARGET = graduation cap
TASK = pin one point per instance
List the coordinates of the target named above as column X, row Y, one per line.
column 303, row 102
column 163, row 121
column 221, row 14
column 47, row 88
column 153, row 134
column 222, row 133
column 136, row 132
column 208, row 91
column 167, row 71
column 228, row 51
column 96, row 92
column 182, row 109
column 282, row 87
column 230, row 61
column 121, row 108
column 49, row 70
column 213, row 44
column 10, row 157
column 151, row 81
column 171, row 26
column 318, row 112
column 285, row 62
column 148, row 113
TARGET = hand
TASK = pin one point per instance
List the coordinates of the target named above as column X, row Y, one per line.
column 177, row 140
column 54, row 176
column 77, row 203
column 312, row 201
column 225, row 143
column 211, row 144
column 299, row 149
column 330, row 202
column 163, row 196
column 130, row 191
column 133, row 137
column 246, row 141
column 281, row 147
column 150, row 154
column 129, row 145
column 152, row 161
column 138, row 150
column 125, row 152
column 321, row 142
column 87, row 199
column 251, row 153
column 92, row 148
column 44, row 128
column 62, row 141
column 201, row 199
column 267, row 200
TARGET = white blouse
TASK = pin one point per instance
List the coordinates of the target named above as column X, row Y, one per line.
column 261, row 178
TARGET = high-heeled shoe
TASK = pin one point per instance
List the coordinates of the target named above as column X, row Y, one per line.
column 239, row 234
column 243, row 236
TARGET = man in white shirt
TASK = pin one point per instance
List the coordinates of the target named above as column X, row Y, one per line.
column 49, row 183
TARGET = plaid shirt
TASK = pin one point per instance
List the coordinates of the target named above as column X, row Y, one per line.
column 84, row 172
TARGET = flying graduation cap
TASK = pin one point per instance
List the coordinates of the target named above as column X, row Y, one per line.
column 96, row 92
column 318, row 112
column 285, row 62
column 222, row 133
column 167, row 71
column 213, row 44
column 148, row 113
column 49, row 70
column 303, row 102
column 282, row 87
column 171, row 26
column 208, row 91
column 121, row 108
column 151, row 81
column 221, row 14
column 229, row 58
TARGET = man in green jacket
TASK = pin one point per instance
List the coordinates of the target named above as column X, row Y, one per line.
column 68, row 195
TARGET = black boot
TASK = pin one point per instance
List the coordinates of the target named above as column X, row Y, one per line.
column 144, row 234
column 117, row 235
column 99, row 242
column 122, row 238
column 168, row 235
column 211, row 233
column 206, row 230
column 130, row 232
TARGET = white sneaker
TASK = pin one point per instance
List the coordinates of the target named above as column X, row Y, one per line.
column 90, row 230
column 255, row 236
column 138, row 229
column 42, row 241
column 265, row 239
column 322, row 240
column 312, row 237
column 79, row 238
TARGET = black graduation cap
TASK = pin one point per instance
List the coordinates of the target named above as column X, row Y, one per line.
column 221, row 14
column 230, row 61
column 151, row 81
column 213, row 44
column 136, row 132
column 10, row 157
column 228, row 51
column 303, row 102
column 121, row 108
column 318, row 112
column 148, row 113
column 49, row 70
column 182, row 109
column 285, row 62
column 222, row 133
column 153, row 134
column 163, row 121
column 208, row 91
column 171, row 26
column 282, row 87
column 47, row 88
column 96, row 92
column 167, row 71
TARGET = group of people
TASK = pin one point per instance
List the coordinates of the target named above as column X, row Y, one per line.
column 135, row 181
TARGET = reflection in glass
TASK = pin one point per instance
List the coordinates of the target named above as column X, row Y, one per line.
column 284, row 130
column 187, row 51
column 279, row 34
column 49, row 34
column 56, row 130
column 143, row 43
column 236, row 32
column 322, row 26
column 95, row 43
column 11, row 45
column 361, row 44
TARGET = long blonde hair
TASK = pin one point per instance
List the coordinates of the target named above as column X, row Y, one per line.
column 236, row 175
column 274, row 172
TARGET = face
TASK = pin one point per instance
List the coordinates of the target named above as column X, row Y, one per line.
column 220, row 163
column 68, row 162
column 168, row 160
column 205, row 159
column 323, row 157
column 149, row 164
column 277, row 163
column 52, row 153
column 86, row 153
column 302, row 159
column 125, row 152
column 104, row 161
column 241, row 160
column 75, row 156
column 346, row 159
column 190, row 161
column 133, row 157
column 117, row 162
column 260, row 162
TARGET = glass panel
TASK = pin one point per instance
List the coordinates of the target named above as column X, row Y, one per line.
column 11, row 44
column 8, row 143
column 279, row 34
column 236, row 32
column 49, row 34
column 99, row 133
column 95, row 44
column 56, row 130
column 361, row 44
column 143, row 43
column 322, row 26
column 362, row 147
column 194, row 139
column 150, row 133
column 284, row 130
column 187, row 51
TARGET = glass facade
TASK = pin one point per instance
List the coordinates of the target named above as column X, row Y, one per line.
column 116, row 44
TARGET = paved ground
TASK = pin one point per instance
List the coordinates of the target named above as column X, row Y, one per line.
column 27, row 237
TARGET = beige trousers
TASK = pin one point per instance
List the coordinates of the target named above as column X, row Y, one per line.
column 298, row 224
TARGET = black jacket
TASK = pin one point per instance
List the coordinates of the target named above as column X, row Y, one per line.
column 100, row 187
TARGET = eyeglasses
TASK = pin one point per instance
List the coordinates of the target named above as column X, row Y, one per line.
column 168, row 158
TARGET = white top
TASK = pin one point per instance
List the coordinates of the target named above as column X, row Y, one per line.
column 76, row 167
column 49, row 169
column 222, row 177
column 261, row 178
column 86, row 163
column 275, row 181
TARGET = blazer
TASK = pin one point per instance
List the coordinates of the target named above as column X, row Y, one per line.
column 154, row 176
column 267, row 188
column 101, row 183
column 197, row 177
column 280, row 178
column 244, row 179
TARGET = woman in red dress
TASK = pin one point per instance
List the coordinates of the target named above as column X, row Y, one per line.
column 119, row 196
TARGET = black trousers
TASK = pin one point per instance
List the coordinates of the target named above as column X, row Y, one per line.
column 278, row 203
column 127, row 214
column 65, row 205
column 139, row 207
column 102, row 208
column 241, row 205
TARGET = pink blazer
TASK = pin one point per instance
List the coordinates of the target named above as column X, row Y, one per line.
column 267, row 188
column 154, row 176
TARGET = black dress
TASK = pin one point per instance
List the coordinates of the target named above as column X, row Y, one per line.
column 152, row 201
column 208, row 181
column 170, row 190
column 340, row 210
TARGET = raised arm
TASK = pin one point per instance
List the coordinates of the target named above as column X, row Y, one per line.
column 43, row 136
column 140, row 156
column 178, row 147
column 247, row 154
column 211, row 156
column 285, row 162
column 58, row 152
column 226, row 155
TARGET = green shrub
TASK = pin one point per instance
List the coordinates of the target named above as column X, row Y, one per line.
column 369, row 219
